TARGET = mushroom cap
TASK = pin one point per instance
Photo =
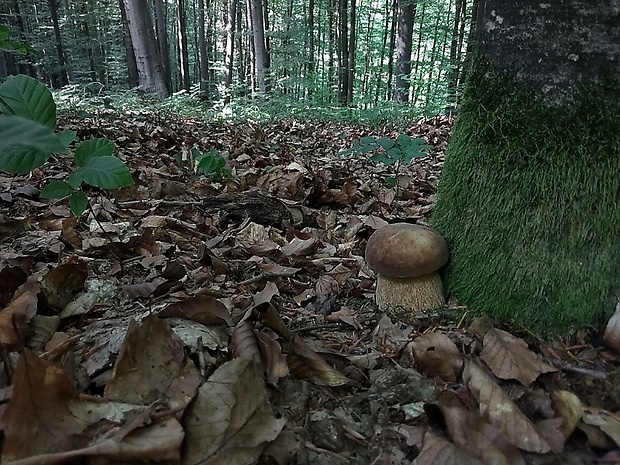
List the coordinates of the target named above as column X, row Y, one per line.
column 406, row 250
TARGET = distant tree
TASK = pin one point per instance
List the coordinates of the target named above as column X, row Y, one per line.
column 406, row 14
column 203, row 54
column 261, row 59
column 231, row 16
column 528, row 199
column 150, row 69
column 163, row 47
column 130, row 58
column 182, row 45
column 62, row 76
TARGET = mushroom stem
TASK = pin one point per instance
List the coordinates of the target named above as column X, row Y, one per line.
column 401, row 296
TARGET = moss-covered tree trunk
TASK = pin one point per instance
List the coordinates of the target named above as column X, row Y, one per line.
column 529, row 199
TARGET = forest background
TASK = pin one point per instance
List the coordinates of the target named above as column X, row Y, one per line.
column 321, row 54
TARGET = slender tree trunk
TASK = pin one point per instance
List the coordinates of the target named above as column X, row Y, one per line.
column 455, row 58
column 231, row 15
column 391, row 51
column 406, row 14
column 528, row 199
column 343, row 51
column 182, row 45
column 261, row 62
column 62, row 76
column 351, row 58
column 150, row 69
column 162, row 41
column 202, row 52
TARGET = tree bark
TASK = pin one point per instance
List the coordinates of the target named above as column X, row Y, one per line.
column 528, row 199
column 182, row 45
column 261, row 61
column 150, row 69
column 130, row 58
column 61, row 75
column 406, row 13
column 231, row 15
column 162, row 41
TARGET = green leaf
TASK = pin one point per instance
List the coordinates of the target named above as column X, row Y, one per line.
column 391, row 180
column 57, row 190
column 67, row 137
column 78, row 202
column 93, row 148
column 403, row 140
column 383, row 158
column 25, row 96
column 386, row 143
column 105, row 172
column 25, row 145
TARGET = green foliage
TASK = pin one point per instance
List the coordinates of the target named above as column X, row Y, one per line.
column 397, row 152
column 27, row 140
column 528, row 202
column 211, row 164
column 401, row 150
column 10, row 45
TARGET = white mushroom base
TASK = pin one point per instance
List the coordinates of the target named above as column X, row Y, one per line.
column 402, row 297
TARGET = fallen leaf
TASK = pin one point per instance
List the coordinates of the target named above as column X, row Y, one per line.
column 501, row 411
column 230, row 420
column 508, row 357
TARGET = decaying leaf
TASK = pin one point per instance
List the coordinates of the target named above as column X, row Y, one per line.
column 611, row 336
column 438, row 451
column 437, row 355
column 37, row 420
column 231, row 420
column 569, row 407
column 508, row 357
column 306, row 364
column 499, row 410
column 201, row 308
column 152, row 362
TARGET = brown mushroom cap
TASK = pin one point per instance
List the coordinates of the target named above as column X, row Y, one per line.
column 406, row 250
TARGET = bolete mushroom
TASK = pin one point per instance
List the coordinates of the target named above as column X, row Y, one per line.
column 406, row 258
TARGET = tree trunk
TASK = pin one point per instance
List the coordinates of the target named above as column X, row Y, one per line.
column 528, row 199
column 343, row 50
column 162, row 41
column 351, row 60
column 182, row 45
column 406, row 13
column 130, row 58
column 231, row 14
column 202, row 52
column 261, row 62
column 150, row 70
column 61, row 75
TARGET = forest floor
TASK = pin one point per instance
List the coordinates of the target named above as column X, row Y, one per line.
column 138, row 323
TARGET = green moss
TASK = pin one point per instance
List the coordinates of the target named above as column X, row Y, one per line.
column 529, row 202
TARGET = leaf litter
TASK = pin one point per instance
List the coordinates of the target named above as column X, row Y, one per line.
column 192, row 319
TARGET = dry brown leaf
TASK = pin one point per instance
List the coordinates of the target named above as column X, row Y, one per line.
column 144, row 289
column 508, row 357
column 438, row 451
column 474, row 435
column 608, row 422
column 230, row 420
column 69, row 233
column 37, row 420
column 14, row 318
column 243, row 342
column 201, row 309
column 499, row 410
column 266, row 294
column 151, row 362
column 300, row 247
column 304, row 363
column 273, row 359
column 437, row 355
column 61, row 284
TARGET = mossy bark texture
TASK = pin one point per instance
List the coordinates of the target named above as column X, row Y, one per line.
column 529, row 199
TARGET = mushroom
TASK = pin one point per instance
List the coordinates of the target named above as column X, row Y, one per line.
column 406, row 258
